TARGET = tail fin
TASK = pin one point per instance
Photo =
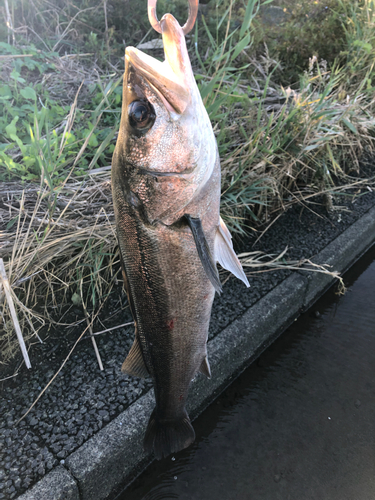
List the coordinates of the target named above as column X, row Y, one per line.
column 164, row 438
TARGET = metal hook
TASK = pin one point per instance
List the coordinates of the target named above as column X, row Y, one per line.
column 186, row 28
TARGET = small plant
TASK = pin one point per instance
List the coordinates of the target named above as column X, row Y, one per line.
column 313, row 28
column 39, row 138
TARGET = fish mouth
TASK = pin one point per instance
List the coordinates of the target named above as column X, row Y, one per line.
column 171, row 79
column 154, row 173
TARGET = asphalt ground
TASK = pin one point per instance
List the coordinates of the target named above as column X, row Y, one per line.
column 298, row 424
column 83, row 400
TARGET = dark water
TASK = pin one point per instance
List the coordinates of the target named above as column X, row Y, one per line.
column 299, row 424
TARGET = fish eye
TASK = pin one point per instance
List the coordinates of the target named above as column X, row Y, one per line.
column 141, row 115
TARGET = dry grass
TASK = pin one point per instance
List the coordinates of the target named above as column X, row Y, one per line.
column 296, row 144
column 52, row 255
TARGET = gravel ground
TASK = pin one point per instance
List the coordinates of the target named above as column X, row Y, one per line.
column 83, row 399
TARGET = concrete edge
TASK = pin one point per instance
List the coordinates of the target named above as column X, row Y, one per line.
column 105, row 461
column 56, row 485
column 342, row 253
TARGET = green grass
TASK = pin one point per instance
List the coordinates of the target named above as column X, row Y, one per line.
column 292, row 120
column 41, row 137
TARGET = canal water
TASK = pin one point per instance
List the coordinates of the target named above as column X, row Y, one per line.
column 298, row 424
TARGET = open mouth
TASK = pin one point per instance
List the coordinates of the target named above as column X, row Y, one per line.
column 154, row 173
column 170, row 78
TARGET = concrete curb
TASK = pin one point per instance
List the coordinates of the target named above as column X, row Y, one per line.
column 106, row 460
column 56, row 485
column 341, row 253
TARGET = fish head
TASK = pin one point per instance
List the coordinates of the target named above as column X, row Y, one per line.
column 166, row 149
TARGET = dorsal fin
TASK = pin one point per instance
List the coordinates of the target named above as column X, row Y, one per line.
column 205, row 368
column 134, row 364
column 225, row 255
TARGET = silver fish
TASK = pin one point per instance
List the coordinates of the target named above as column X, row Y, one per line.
column 166, row 193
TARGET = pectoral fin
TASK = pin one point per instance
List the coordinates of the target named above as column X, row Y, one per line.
column 225, row 255
column 204, row 251
column 134, row 364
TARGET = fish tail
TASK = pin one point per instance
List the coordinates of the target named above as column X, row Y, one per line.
column 166, row 437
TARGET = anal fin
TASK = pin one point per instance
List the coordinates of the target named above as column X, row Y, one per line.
column 134, row 364
column 225, row 255
column 203, row 250
column 205, row 368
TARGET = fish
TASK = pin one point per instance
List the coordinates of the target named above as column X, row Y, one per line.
column 166, row 193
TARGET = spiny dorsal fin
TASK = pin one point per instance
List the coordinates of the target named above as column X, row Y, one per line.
column 225, row 255
column 204, row 253
column 205, row 368
column 134, row 364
